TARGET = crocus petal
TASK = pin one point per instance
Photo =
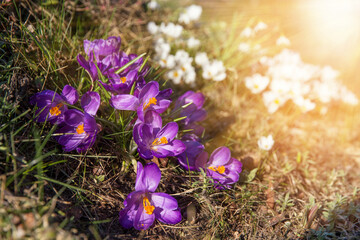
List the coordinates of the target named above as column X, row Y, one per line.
column 169, row 216
column 131, row 204
column 234, row 165
column 154, row 119
column 220, row 156
column 162, row 105
column 73, row 117
column 86, row 143
column 70, row 94
column 143, row 220
column 173, row 148
column 201, row 160
column 169, row 131
column 90, row 102
column 148, row 177
column 150, row 90
column 124, row 102
column 164, row 201
column 70, row 140
column 187, row 159
column 166, row 208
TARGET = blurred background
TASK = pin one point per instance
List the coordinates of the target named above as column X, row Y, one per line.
column 324, row 32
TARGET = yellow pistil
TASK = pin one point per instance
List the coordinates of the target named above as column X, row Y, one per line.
column 123, row 79
column 176, row 74
column 277, row 101
column 219, row 169
column 256, row 86
column 158, row 141
column 80, row 129
column 149, row 209
column 56, row 110
column 151, row 101
column 164, row 61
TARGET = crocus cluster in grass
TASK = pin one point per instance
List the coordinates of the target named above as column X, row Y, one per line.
column 121, row 78
column 76, row 129
column 177, row 54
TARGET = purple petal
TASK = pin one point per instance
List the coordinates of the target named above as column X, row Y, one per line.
column 90, row 102
column 143, row 137
column 143, row 220
column 161, row 105
column 234, row 165
column 70, row 94
column 169, row 216
column 220, row 157
column 169, row 131
column 171, row 149
column 86, row 143
column 70, row 140
column 124, row 102
column 148, row 177
column 154, row 119
column 150, row 90
column 187, row 159
column 166, row 208
column 201, row 160
column 73, row 117
column 164, row 201
column 131, row 204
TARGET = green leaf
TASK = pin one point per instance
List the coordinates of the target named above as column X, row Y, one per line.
column 129, row 63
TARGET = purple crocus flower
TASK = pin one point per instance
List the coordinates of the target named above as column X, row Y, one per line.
column 143, row 206
column 80, row 129
column 149, row 98
column 52, row 106
column 194, row 112
column 221, row 167
column 153, row 140
column 193, row 149
column 106, row 55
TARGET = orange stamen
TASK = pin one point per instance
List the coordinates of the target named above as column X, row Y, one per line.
column 80, row 129
column 149, row 209
column 56, row 110
column 158, row 141
column 151, row 101
column 123, row 79
column 219, row 169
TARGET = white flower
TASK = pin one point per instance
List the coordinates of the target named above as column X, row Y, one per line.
column 244, row 47
column 304, row 104
column 192, row 13
column 256, row 83
column 247, row 32
column 161, row 47
column 190, row 76
column 283, row 41
column 193, row 42
column 152, row 28
column 260, row 26
column 215, row 70
column 153, row 5
column 266, row 143
column 273, row 100
column 171, row 29
column 175, row 75
column 166, row 61
column 182, row 57
column 201, row 58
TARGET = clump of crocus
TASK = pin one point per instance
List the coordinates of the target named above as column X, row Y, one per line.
column 52, row 106
column 149, row 98
column 221, row 167
column 79, row 129
column 266, row 143
column 144, row 205
column 154, row 140
column 105, row 56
